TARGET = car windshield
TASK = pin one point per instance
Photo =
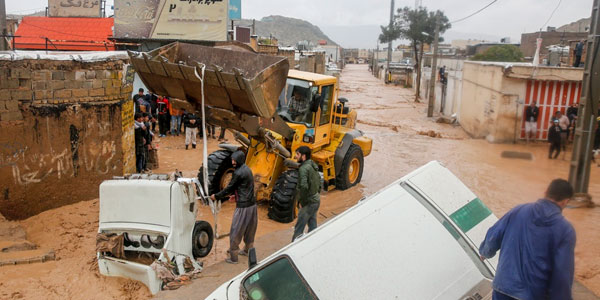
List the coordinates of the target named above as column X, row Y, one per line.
column 279, row 280
column 294, row 102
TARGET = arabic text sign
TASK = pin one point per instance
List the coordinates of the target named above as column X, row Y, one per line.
column 74, row 8
column 171, row 19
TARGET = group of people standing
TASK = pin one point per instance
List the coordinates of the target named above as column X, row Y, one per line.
column 561, row 127
column 158, row 110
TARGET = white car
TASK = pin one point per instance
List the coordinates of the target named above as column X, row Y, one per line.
column 156, row 215
column 415, row 239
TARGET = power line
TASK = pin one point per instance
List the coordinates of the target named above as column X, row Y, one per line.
column 551, row 15
column 455, row 21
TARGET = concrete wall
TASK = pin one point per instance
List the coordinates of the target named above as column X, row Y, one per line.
column 490, row 104
column 64, row 127
column 453, row 88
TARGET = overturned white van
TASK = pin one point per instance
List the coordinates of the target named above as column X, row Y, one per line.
column 415, row 239
column 156, row 216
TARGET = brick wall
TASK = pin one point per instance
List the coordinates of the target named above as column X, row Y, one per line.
column 64, row 127
column 528, row 41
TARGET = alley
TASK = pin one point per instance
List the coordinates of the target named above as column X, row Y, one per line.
column 397, row 125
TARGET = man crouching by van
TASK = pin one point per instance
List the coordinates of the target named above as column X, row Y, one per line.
column 538, row 243
column 245, row 217
column 308, row 189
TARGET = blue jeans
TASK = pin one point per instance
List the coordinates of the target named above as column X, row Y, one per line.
column 175, row 124
column 306, row 215
column 139, row 162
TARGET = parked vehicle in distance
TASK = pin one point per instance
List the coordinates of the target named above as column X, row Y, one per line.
column 415, row 239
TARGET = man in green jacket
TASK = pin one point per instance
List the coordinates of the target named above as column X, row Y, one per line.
column 307, row 192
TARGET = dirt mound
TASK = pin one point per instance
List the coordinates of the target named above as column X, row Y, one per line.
column 71, row 231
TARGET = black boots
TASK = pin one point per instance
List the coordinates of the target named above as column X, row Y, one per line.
column 194, row 146
column 186, row 147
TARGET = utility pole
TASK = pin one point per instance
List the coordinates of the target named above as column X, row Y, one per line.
column 436, row 39
column 376, row 66
column 579, row 172
column 389, row 58
column 3, row 45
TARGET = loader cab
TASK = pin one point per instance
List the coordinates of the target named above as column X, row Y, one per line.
column 306, row 104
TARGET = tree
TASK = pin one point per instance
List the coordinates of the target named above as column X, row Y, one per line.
column 417, row 26
column 503, row 53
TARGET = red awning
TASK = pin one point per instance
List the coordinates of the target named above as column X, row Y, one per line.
column 71, row 34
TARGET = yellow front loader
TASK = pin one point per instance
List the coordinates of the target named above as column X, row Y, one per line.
column 270, row 109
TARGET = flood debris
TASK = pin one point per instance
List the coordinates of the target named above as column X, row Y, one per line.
column 431, row 133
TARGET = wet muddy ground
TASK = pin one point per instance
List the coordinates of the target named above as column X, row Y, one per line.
column 387, row 114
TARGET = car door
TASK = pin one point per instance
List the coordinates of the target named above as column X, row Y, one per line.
column 323, row 125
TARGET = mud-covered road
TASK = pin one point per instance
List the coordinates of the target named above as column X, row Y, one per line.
column 387, row 114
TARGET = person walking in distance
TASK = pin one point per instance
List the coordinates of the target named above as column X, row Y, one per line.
column 554, row 139
column 191, row 123
column 245, row 217
column 307, row 192
column 537, row 248
column 563, row 122
column 176, row 116
column 531, row 116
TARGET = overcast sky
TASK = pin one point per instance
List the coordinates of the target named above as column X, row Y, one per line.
column 505, row 18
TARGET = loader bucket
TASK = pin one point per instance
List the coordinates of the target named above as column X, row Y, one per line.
column 241, row 87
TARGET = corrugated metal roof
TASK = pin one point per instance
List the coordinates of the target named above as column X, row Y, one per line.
column 79, row 34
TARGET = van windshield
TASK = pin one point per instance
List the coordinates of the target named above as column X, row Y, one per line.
column 278, row 280
column 294, row 102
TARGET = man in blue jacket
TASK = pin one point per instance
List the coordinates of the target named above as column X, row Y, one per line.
column 538, row 244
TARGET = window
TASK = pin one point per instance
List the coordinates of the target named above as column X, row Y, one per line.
column 279, row 280
column 472, row 253
column 294, row 102
column 326, row 98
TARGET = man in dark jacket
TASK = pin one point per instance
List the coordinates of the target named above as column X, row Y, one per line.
column 245, row 217
column 578, row 53
column 538, row 248
column 308, row 189
column 531, row 116
column 140, row 141
column 191, row 124
column 554, row 139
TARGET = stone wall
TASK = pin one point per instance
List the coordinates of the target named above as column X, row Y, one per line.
column 64, row 127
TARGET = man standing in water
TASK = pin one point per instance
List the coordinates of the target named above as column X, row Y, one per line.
column 308, row 189
column 245, row 217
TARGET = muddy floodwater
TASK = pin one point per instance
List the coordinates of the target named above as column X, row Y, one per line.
column 387, row 114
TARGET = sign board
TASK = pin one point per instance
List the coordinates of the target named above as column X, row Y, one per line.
column 74, row 8
column 242, row 34
column 128, row 137
column 171, row 19
column 235, row 9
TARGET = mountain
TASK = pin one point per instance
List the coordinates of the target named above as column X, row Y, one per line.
column 577, row 26
column 288, row 31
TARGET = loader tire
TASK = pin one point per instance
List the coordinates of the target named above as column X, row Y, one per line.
column 202, row 239
column 283, row 206
column 219, row 170
column 352, row 168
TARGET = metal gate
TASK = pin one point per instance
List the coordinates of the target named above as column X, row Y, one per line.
column 551, row 96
